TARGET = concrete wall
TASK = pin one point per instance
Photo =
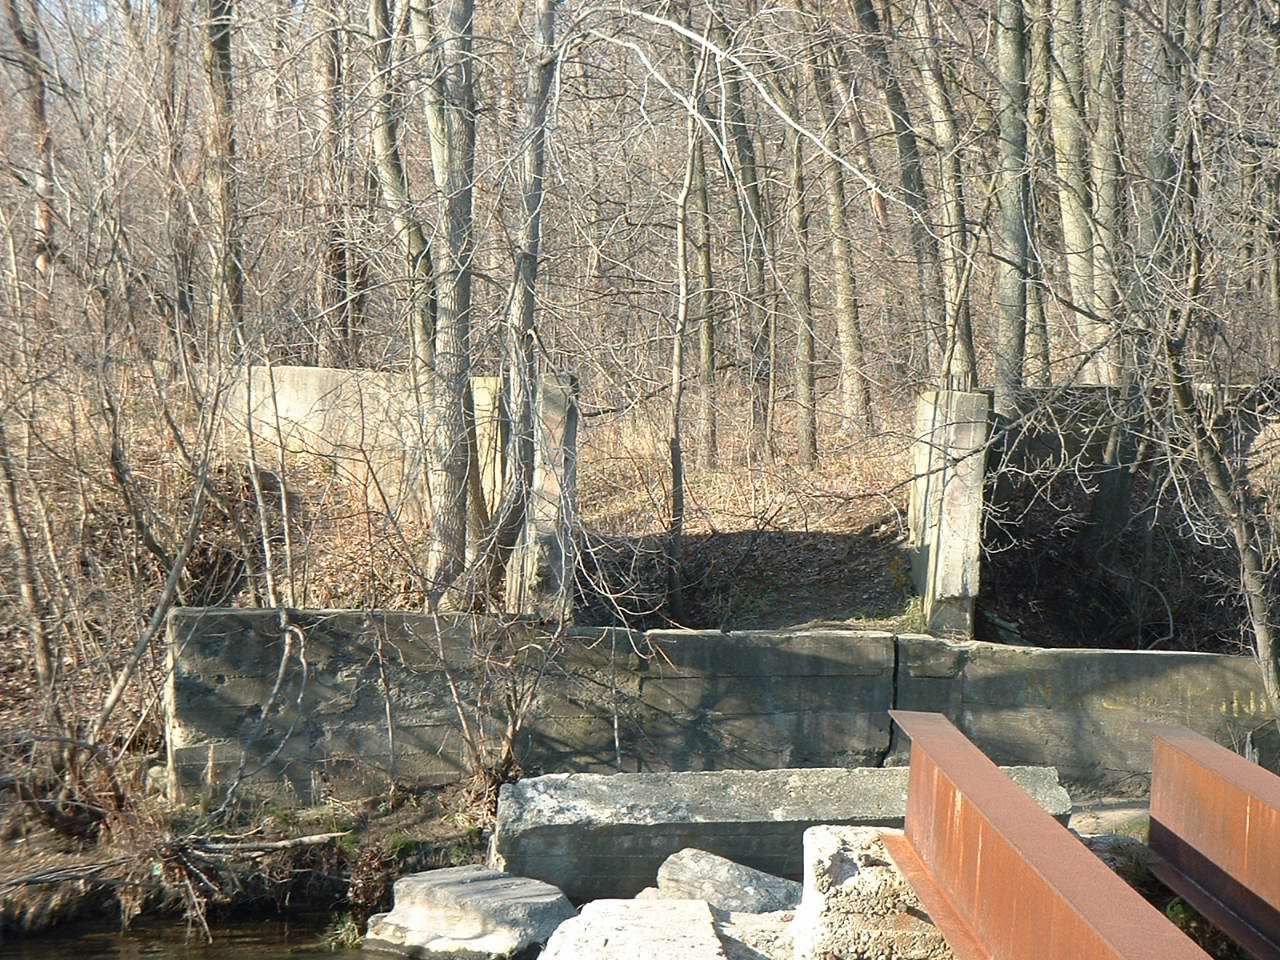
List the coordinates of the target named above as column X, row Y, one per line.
column 695, row 701
column 365, row 426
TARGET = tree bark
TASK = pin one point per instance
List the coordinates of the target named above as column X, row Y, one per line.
column 701, row 240
column 509, row 519
column 449, row 102
column 334, row 286
column 923, row 245
column 960, row 364
column 855, row 389
column 1107, row 88
column 1038, row 361
column 753, row 235
column 802, row 304
column 1011, row 243
column 227, row 300
column 32, row 61
column 1070, row 137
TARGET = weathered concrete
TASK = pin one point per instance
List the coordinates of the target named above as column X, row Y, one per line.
column 366, row 426
column 856, row 904
column 756, row 936
column 705, row 701
column 607, row 836
column 709, row 701
column 541, row 574
column 1082, row 711
column 948, row 462
column 766, row 699
column 468, row 913
column 360, row 422
column 693, row 874
column 638, row 930
column 326, row 728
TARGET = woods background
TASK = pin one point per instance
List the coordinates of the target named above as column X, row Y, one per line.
column 753, row 230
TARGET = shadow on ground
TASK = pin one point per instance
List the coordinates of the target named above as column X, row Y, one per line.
column 746, row 580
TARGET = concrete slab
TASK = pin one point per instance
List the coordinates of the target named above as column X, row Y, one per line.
column 600, row 836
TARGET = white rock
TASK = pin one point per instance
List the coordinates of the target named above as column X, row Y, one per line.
column 692, row 874
column 468, row 913
column 638, row 930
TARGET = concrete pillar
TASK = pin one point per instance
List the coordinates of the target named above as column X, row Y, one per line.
column 541, row 573
column 491, row 437
column 948, row 460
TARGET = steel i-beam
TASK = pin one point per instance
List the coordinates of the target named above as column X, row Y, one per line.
column 1215, row 830
column 1000, row 877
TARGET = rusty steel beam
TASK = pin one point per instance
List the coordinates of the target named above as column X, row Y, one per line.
column 1215, row 830
column 1000, row 877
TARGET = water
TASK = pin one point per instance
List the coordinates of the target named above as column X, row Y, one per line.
column 273, row 940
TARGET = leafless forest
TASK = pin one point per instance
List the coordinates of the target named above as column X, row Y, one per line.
column 754, row 230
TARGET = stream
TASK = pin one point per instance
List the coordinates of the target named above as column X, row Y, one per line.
column 259, row 940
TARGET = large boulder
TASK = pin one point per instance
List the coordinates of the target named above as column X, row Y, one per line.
column 856, row 905
column 693, row 874
column 468, row 913
column 638, row 930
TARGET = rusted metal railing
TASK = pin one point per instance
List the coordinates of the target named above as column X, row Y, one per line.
column 1000, row 877
column 1215, row 830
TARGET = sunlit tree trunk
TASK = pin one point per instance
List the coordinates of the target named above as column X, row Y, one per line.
column 1011, row 241
column 509, row 519
column 1038, row 361
column 221, row 178
column 753, row 235
column 334, row 286
column 855, row 389
column 449, row 101
column 802, row 305
column 33, row 66
column 1070, row 141
column 960, row 362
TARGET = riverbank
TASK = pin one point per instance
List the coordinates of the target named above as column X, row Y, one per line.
column 336, row 861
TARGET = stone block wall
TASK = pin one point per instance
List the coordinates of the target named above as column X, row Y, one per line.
column 363, row 696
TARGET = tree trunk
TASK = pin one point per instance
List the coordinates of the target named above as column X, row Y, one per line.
column 702, row 232
column 855, row 389
column 1107, row 88
column 675, row 527
column 802, row 304
column 450, row 109
column 1011, row 240
column 32, row 61
column 1066, row 105
column 509, row 519
column 924, row 247
column 334, row 287
column 1038, row 361
column 753, row 235
column 227, row 301
column 960, row 364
